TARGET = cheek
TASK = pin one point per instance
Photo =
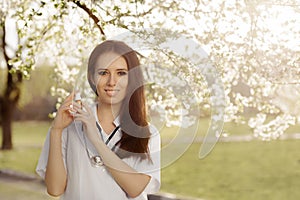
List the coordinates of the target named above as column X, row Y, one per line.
column 99, row 80
column 123, row 82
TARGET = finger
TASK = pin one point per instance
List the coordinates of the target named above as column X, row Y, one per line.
column 87, row 108
column 81, row 112
column 67, row 102
column 69, row 98
column 88, row 116
column 77, row 105
column 82, row 118
column 66, row 106
column 69, row 108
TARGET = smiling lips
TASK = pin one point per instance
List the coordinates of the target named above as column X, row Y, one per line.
column 111, row 92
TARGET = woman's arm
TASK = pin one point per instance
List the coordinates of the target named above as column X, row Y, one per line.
column 56, row 176
column 132, row 182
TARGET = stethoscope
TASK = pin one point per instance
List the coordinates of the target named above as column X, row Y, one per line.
column 96, row 160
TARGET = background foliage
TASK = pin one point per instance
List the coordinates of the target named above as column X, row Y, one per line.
column 252, row 44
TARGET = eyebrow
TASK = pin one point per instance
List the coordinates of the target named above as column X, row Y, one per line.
column 119, row 69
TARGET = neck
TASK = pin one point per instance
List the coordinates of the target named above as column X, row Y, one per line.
column 107, row 112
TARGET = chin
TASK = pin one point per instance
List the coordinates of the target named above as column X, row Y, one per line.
column 112, row 101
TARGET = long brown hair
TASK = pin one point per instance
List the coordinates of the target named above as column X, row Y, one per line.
column 133, row 116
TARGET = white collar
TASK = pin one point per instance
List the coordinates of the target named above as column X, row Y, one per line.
column 116, row 121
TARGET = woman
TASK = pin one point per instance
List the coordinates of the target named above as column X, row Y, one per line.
column 106, row 151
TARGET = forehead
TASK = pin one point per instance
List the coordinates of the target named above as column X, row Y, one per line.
column 111, row 60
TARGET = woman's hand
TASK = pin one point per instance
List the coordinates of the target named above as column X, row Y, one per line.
column 86, row 116
column 63, row 116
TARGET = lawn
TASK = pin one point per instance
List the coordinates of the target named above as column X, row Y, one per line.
column 28, row 139
column 233, row 170
column 238, row 171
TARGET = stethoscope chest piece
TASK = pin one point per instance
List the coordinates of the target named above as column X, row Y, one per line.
column 96, row 161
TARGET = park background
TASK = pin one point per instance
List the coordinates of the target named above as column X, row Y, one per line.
column 254, row 46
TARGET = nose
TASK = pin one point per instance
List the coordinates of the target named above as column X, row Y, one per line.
column 111, row 80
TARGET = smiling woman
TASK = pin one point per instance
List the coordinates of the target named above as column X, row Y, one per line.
column 111, row 78
column 92, row 151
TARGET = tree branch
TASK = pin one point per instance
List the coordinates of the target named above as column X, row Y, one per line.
column 90, row 13
column 6, row 58
column 12, row 86
column 119, row 15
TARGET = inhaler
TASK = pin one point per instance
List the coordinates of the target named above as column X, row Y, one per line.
column 77, row 98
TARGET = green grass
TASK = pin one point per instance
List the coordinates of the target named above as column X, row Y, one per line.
column 244, row 171
column 28, row 139
column 22, row 191
column 240, row 170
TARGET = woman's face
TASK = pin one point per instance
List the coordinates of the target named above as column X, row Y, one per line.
column 111, row 78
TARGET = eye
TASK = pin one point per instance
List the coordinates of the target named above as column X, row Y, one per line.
column 102, row 72
column 122, row 73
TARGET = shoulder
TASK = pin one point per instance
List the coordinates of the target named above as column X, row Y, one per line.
column 153, row 130
column 154, row 140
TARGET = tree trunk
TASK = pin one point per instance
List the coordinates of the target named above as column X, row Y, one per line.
column 9, row 103
column 10, row 97
column 7, row 113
